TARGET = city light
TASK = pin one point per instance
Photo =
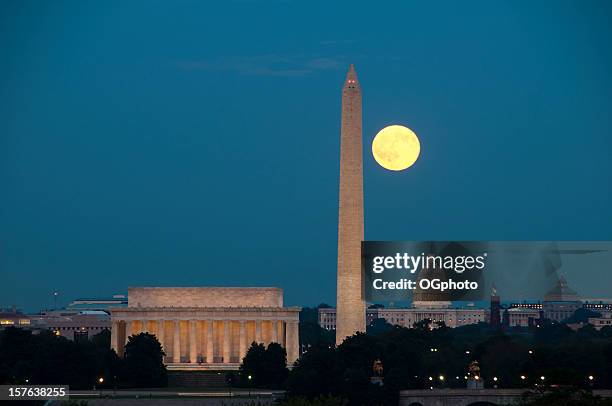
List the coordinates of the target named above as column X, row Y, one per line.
column 591, row 377
column 441, row 377
column 523, row 377
column 530, row 352
column 250, row 377
column 476, row 377
column 467, row 351
column 495, row 378
column 101, row 380
column 433, row 349
column 430, row 378
column 542, row 377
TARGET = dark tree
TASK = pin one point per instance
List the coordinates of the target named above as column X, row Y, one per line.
column 378, row 327
column 581, row 315
column 315, row 373
column 310, row 332
column 275, row 366
column 267, row 367
column 109, row 364
column 143, row 365
column 313, row 334
column 252, row 366
column 45, row 358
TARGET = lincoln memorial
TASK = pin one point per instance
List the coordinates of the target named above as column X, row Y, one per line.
column 206, row 327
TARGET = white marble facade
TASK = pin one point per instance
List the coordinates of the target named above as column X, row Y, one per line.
column 206, row 327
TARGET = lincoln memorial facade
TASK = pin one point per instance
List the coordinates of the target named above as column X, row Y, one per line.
column 205, row 327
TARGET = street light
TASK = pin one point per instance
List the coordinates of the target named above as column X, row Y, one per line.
column 542, row 377
column 591, row 377
column 495, row 378
column 523, row 377
column 250, row 377
column 100, row 381
column 441, row 377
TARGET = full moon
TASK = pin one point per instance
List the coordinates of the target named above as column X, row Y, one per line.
column 396, row 148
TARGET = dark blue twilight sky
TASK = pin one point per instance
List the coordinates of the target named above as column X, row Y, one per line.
column 192, row 143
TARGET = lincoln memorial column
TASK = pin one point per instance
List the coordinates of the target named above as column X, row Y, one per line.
column 128, row 330
column 226, row 342
column 144, row 328
column 115, row 336
column 258, row 339
column 193, row 356
column 274, row 337
column 176, row 351
column 210, row 344
column 292, row 342
column 160, row 333
column 243, row 338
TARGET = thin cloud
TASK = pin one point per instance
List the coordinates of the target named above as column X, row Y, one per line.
column 266, row 65
column 338, row 42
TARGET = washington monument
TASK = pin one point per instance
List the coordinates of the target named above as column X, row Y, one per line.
column 350, row 316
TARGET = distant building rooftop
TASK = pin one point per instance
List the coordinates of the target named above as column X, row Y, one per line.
column 13, row 318
column 561, row 293
column 98, row 304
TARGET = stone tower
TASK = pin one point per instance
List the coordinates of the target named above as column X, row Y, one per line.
column 350, row 316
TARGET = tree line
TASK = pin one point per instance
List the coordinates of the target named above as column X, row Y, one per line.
column 430, row 355
column 45, row 358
